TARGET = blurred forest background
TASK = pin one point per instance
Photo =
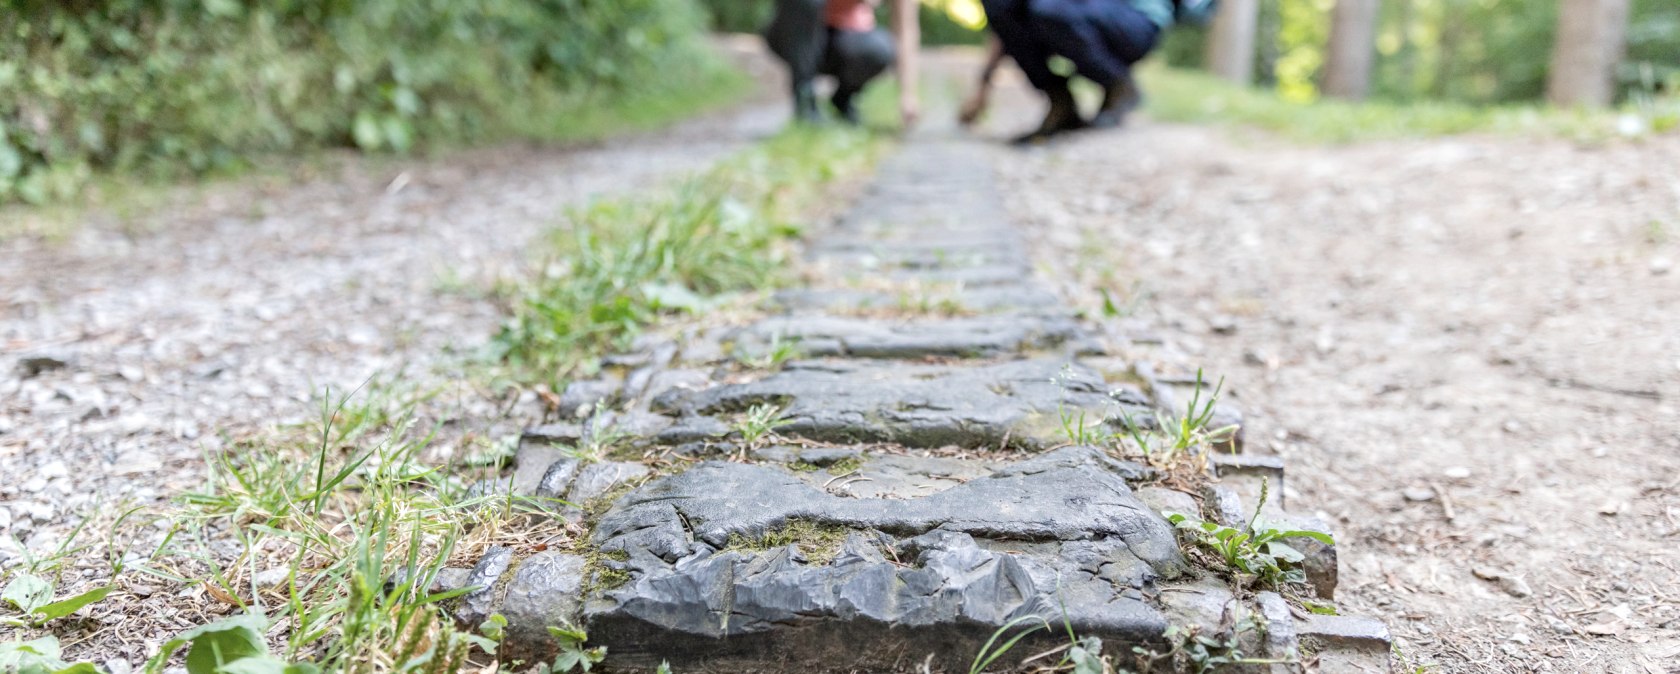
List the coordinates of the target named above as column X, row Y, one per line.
column 174, row 87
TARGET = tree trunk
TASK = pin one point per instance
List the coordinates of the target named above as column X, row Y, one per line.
column 1347, row 61
column 1230, row 46
column 1590, row 40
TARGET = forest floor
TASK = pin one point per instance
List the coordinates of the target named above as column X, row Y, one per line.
column 1467, row 348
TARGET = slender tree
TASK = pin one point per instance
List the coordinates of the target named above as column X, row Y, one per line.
column 1347, row 61
column 1591, row 38
column 1230, row 45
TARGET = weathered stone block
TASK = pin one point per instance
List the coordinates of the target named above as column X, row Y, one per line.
column 1057, row 533
column 1012, row 403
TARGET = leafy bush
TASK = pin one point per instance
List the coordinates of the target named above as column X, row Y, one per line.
column 198, row 85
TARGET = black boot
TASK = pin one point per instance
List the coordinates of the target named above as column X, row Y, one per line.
column 805, row 103
column 1062, row 117
column 1120, row 98
column 845, row 106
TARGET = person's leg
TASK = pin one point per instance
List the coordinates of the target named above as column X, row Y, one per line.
column 1012, row 21
column 1103, row 38
column 855, row 58
column 796, row 34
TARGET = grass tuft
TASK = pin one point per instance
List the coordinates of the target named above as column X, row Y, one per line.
column 622, row 264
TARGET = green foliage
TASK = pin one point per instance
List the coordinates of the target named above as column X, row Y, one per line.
column 199, row 85
column 1254, row 552
column 759, row 422
column 367, row 526
column 39, row 656
column 1193, row 651
column 1483, row 52
column 573, row 656
column 624, row 263
column 989, row 653
column 1180, row 95
column 232, row 645
column 33, row 597
column 1175, row 439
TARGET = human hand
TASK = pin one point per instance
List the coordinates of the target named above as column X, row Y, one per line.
column 972, row 108
column 909, row 111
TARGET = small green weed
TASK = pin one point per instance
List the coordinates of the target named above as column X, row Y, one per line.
column 1253, row 553
column 1173, row 439
column 1079, row 430
column 573, row 656
column 1193, row 651
column 599, row 442
column 622, row 264
column 760, row 422
column 1023, row 627
column 778, row 352
column 1656, row 232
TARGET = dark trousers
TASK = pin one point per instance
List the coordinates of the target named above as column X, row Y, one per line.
column 1103, row 38
column 799, row 36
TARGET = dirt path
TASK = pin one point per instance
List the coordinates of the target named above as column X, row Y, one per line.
column 125, row 356
column 1467, row 349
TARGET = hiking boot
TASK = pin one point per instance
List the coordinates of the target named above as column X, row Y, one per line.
column 844, row 105
column 1120, row 98
column 1062, row 117
column 805, row 104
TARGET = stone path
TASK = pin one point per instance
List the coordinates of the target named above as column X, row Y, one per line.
column 917, row 490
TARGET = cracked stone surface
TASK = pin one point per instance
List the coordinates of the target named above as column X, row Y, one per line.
column 1059, row 529
column 967, row 337
column 1012, row 403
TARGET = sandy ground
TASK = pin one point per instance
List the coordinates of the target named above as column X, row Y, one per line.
column 1467, row 350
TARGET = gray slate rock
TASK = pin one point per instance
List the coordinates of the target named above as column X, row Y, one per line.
column 1060, row 530
column 546, row 590
column 968, row 337
column 984, row 299
column 478, row 604
column 1017, row 403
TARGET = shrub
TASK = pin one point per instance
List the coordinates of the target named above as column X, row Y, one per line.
column 195, row 85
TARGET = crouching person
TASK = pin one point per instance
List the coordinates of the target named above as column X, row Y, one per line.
column 840, row 38
column 1103, row 39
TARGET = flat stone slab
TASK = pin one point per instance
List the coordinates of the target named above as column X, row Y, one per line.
column 966, row 337
column 714, row 582
column 1010, row 404
column 960, row 299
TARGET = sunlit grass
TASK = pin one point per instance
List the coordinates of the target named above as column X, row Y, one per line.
column 619, row 265
column 1187, row 96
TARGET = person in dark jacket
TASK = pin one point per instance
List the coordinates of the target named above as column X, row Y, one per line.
column 840, row 38
column 1103, row 38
